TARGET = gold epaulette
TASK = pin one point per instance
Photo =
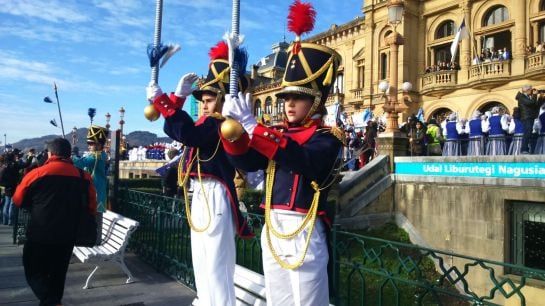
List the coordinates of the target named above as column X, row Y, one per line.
column 216, row 115
column 335, row 131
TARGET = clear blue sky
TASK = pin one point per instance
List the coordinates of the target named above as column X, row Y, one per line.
column 96, row 52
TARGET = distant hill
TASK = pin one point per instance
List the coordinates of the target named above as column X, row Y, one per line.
column 136, row 138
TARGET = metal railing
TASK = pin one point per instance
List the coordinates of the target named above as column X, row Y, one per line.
column 365, row 270
column 372, row 271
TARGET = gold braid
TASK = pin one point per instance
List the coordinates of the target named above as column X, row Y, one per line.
column 310, row 217
column 182, row 181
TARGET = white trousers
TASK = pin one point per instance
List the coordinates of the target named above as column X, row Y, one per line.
column 307, row 284
column 213, row 250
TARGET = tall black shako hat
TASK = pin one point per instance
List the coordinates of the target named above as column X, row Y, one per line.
column 95, row 134
column 217, row 80
column 311, row 69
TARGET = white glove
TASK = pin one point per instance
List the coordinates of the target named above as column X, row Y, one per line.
column 153, row 91
column 185, row 85
column 240, row 109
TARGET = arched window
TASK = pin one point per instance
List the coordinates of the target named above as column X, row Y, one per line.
column 495, row 15
column 258, row 111
column 383, row 42
column 489, row 105
column 268, row 106
column 279, row 107
column 440, row 115
column 383, row 66
column 445, row 29
column 542, row 5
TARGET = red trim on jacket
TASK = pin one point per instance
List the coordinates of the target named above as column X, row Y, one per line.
column 55, row 165
column 239, row 227
column 237, row 147
column 167, row 105
column 267, row 141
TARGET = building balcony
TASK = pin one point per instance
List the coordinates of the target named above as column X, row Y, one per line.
column 535, row 64
column 355, row 97
column 489, row 75
column 336, row 97
column 439, row 83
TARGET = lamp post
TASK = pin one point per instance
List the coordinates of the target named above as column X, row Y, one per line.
column 5, row 142
column 74, row 136
column 108, row 139
column 392, row 142
column 395, row 15
column 121, row 122
column 48, row 100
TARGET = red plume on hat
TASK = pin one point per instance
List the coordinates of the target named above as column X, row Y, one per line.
column 219, row 51
column 300, row 20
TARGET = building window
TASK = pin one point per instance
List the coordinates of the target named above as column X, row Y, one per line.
column 441, row 114
column 527, row 232
column 268, row 106
column 258, row 111
column 488, row 107
column 383, row 66
column 541, row 37
column 542, row 5
column 361, row 73
column 445, row 29
column 442, row 54
column 279, row 107
column 497, row 14
column 338, row 86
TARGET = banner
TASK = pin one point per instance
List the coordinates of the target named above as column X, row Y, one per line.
column 501, row 170
column 330, row 118
column 461, row 34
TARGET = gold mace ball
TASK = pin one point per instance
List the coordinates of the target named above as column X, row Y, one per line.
column 151, row 113
column 231, row 130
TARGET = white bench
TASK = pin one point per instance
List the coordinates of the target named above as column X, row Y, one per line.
column 116, row 231
column 249, row 288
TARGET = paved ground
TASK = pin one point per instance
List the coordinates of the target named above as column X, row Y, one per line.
column 109, row 288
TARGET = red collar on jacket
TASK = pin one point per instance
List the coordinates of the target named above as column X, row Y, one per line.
column 302, row 134
column 55, row 158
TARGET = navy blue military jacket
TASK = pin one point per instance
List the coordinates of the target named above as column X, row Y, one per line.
column 204, row 135
column 301, row 154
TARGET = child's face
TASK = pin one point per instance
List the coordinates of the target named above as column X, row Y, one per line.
column 296, row 108
column 209, row 104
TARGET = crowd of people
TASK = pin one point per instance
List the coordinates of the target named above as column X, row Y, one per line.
column 493, row 133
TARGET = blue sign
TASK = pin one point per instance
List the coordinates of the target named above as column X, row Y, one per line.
column 502, row 170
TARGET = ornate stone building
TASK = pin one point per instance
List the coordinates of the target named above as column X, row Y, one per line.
column 484, row 78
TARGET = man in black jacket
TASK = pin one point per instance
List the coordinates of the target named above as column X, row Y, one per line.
column 53, row 194
column 529, row 109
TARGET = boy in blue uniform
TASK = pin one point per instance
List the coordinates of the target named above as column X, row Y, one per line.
column 95, row 163
column 301, row 158
column 214, row 214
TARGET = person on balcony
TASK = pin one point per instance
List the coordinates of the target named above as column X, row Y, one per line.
column 529, row 108
column 496, row 133
column 451, row 131
column 475, row 128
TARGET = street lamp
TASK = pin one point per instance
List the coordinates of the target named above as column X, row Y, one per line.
column 395, row 15
column 108, row 138
column 5, row 142
column 74, row 136
column 121, row 122
column 48, row 100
